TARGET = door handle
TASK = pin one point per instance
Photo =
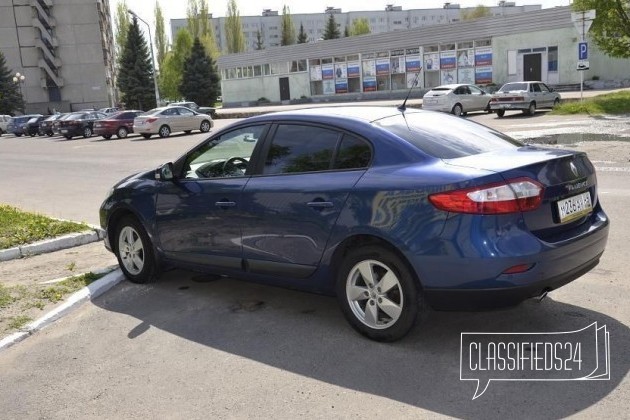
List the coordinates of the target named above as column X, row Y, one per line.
column 320, row 204
column 225, row 204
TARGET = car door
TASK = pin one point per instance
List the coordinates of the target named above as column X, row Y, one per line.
column 168, row 117
column 187, row 119
column 199, row 214
column 547, row 95
column 293, row 205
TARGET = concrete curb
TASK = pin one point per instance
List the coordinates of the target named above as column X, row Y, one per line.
column 89, row 292
column 55, row 244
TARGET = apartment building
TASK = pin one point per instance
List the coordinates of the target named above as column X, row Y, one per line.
column 392, row 18
column 64, row 49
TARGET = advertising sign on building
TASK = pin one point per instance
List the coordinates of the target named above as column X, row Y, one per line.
column 483, row 75
column 341, row 71
column 483, row 56
column 448, row 60
column 466, row 75
column 382, row 67
column 328, row 87
column 398, row 65
column 369, row 84
column 448, row 77
column 431, row 62
column 354, row 69
column 411, row 77
column 412, row 63
column 328, row 72
column 316, row 73
column 466, row 58
column 369, row 68
column 341, row 86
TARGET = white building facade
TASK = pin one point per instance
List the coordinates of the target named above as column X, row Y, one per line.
column 537, row 45
column 393, row 18
column 64, row 49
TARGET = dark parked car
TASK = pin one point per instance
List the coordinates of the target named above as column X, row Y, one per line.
column 16, row 124
column 31, row 127
column 79, row 124
column 387, row 209
column 120, row 124
column 46, row 126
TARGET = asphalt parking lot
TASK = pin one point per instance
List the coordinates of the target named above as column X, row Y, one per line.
column 193, row 346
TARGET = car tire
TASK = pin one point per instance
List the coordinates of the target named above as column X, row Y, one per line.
column 50, row 133
column 122, row 132
column 164, row 131
column 87, row 132
column 457, row 110
column 556, row 103
column 500, row 113
column 134, row 251
column 488, row 109
column 364, row 301
column 18, row 134
column 205, row 126
column 68, row 137
column 532, row 108
column 146, row 136
column 107, row 137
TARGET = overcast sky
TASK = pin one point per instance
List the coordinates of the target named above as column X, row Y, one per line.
column 176, row 9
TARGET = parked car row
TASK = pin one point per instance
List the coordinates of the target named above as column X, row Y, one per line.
column 459, row 99
column 162, row 121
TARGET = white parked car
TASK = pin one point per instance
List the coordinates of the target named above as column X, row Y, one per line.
column 166, row 120
column 4, row 121
column 458, row 99
column 523, row 96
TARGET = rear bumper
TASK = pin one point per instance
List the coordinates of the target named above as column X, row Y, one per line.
column 483, row 299
column 507, row 106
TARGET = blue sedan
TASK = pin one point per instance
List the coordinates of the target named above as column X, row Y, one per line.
column 387, row 209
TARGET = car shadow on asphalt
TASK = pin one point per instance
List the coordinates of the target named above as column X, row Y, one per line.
column 307, row 335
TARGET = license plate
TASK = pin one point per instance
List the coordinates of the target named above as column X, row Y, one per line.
column 139, row 123
column 575, row 207
column 64, row 131
column 431, row 101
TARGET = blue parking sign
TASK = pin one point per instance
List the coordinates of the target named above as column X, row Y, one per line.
column 583, row 51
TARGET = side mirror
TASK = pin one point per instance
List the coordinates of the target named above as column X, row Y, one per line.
column 164, row 172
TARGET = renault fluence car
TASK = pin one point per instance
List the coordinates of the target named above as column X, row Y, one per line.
column 386, row 209
column 166, row 120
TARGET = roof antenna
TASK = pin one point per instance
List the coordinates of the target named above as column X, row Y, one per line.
column 403, row 107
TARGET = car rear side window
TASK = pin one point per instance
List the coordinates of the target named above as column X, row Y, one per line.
column 353, row 153
column 300, row 148
column 446, row 137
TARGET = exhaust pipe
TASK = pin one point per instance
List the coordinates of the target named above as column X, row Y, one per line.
column 542, row 295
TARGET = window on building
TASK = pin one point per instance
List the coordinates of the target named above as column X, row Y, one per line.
column 266, row 69
column 257, row 71
column 279, row 68
column 552, row 59
column 483, row 43
column 298, row 66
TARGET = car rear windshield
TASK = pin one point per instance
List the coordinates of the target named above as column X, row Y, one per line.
column 75, row 116
column 446, row 137
column 510, row 87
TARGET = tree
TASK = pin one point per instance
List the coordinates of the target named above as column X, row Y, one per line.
column 199, row 25
column 161, row 40
column 10, row 98
column 173, row 67
column 235, row 39
column 331, row 31
column 346, row 32
column 288, row 30
column 122, row 27
column 611, row 28
column 360, row 26
column 260, row 43
column 135, row 75
column 200, row 80
column 302, row 38
column 478, row 12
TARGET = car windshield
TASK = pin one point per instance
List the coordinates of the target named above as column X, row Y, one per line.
column 75, row 117
column 441, row 89
column 511, row 87
column 446, row 137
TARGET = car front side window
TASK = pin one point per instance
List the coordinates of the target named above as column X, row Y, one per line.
column 225, row 156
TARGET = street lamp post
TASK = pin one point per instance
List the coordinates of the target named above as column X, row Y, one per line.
column 19, row 79
column 155, row 84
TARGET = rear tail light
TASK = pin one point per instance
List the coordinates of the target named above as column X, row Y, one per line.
column 150, row 120
column 521, row 194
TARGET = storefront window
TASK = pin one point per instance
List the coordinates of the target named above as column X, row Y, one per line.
column 552, row 59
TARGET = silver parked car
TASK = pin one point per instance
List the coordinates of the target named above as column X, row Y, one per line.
column 523, row 96
column 458, row 99
column 166, row 120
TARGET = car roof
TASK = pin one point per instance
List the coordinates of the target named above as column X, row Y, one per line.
column 365, row 113
column 451, row 86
